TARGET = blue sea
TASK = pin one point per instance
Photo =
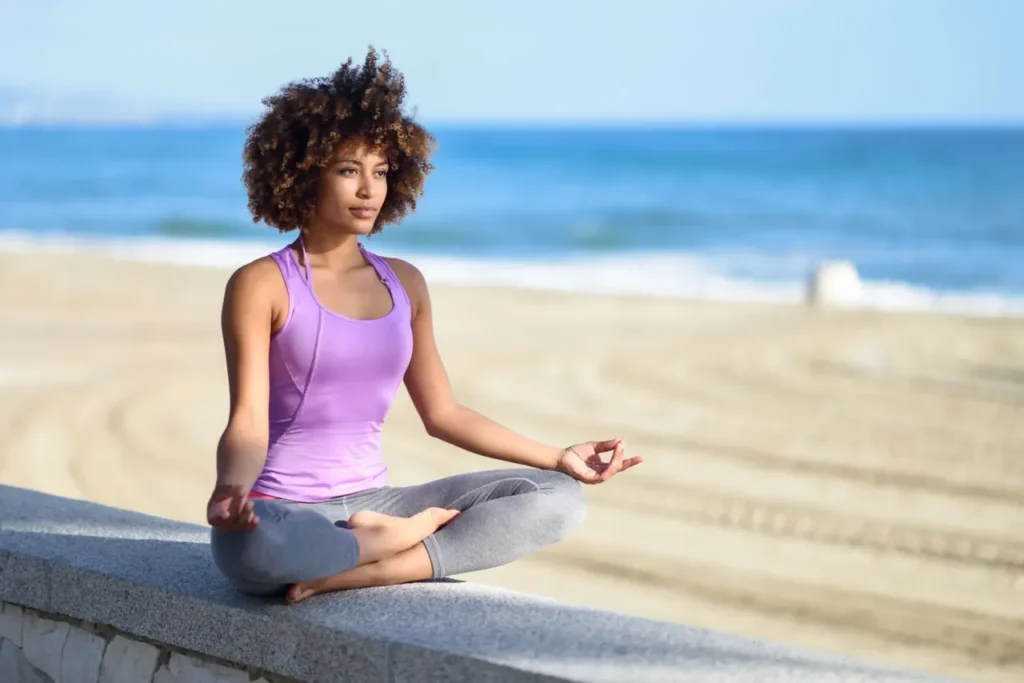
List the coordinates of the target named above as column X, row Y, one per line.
column 933, row 219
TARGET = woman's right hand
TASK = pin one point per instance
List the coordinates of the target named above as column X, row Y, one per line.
column 231, row 509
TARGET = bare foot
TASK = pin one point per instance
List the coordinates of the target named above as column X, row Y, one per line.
column 367, row 518
column 426, row 522
column 300, row 591
column 380, row 536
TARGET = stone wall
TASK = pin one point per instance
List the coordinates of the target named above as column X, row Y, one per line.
column 97, row 594
column 40, row 648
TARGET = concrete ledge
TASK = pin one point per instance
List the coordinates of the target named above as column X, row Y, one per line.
column 152, row 580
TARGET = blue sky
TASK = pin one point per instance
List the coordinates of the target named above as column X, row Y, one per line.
column 668, row 60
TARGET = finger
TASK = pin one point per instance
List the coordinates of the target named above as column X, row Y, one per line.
column 241, row 505
column 605, row 446
column 615, row 464
column 233, row 506
column 631, row 462
column 219, row 512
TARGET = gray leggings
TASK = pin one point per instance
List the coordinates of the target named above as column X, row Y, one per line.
column 505, row 514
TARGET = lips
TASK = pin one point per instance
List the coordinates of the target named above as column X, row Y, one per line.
column 363, row 211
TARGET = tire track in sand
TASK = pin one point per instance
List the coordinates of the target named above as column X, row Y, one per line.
column 809, row 523
column 994, row 640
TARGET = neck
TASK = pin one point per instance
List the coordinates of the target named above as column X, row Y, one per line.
column 331, row 249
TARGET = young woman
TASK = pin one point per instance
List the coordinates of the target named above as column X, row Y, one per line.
column 318, row 337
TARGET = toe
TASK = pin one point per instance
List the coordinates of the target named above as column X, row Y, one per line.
column 297, row 593
column 443, row 516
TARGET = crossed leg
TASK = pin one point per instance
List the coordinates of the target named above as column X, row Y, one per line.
column 503, row 515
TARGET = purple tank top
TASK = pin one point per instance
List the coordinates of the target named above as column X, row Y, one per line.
column 332, row 382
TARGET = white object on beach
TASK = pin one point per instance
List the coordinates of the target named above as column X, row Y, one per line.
column 835, row 283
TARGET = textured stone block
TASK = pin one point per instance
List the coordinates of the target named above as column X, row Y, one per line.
column 24, row 579
column 154, row 579
column 128, row 661
column 163, row 675
column 182, row 669
column 83, row 654
column 14, row 668
column 413, row 664
column 43, row 643
column 10, row 623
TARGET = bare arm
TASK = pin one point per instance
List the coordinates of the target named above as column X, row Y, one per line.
column 431, row 392
column 246, row 322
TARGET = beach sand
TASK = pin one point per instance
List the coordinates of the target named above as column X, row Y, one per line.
column 846, row 481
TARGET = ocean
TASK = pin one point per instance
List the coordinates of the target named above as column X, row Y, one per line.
column 933, row 219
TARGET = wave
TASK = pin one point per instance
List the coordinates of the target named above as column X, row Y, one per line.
column 663, row 274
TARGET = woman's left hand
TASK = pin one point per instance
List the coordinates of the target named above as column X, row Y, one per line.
column 583, row 461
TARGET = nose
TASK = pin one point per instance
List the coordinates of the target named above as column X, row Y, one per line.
column 365, row 189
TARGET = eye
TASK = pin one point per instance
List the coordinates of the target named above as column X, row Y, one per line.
column 346, row 171
column 381, row 173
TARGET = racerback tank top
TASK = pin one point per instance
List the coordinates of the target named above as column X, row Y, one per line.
column 333, row 380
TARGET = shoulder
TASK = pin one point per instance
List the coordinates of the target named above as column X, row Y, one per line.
column 257, row 275
column 411, row 278
column 256, row 284
column 406, row 272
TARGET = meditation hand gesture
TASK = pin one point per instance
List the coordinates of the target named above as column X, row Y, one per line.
column 583, row 461
column 230, row 509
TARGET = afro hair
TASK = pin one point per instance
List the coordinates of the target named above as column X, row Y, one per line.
column 308, row 120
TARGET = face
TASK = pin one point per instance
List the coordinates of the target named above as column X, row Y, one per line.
column 352, row 189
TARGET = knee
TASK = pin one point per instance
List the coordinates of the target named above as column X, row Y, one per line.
column 564, row 504
column 250, row 559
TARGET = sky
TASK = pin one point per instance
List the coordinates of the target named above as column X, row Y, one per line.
column 794, row 61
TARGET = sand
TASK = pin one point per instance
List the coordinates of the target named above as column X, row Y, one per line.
column 846, row 481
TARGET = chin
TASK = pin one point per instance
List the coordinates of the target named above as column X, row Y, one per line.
column 362, row 229
column 355, row 228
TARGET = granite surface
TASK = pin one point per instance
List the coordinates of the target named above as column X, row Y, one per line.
column 153, row 579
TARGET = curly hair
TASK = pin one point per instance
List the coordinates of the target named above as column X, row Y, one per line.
column 307, row 120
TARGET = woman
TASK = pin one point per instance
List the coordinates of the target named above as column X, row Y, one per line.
column 318, row 337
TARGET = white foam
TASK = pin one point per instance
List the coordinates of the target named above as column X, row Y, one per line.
column 654, row 274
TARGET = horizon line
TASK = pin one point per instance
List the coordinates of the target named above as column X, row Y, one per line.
column 507, row 123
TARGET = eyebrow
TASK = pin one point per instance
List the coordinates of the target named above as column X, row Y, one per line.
column 357, row 162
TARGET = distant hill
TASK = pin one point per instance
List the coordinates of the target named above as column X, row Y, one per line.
column 28, row 107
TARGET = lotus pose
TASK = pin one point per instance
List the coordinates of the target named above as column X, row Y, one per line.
column 319, row 335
